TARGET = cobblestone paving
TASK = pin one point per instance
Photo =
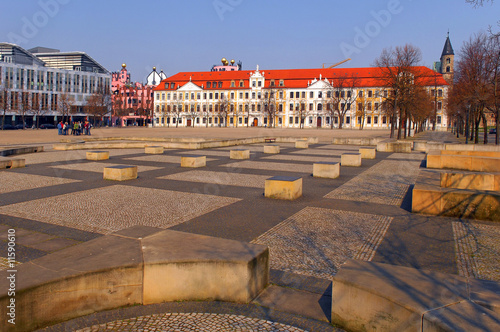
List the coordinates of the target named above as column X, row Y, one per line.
column 317, row 241
column 98, row 167
column 477, row 247
column 79, row 210
column 191, row 322
column 312, row 159
column 407, row 156
column 269, row 166
column 11, row 181
column 222, row 178
column 4, row 264
column 61, row 156
column 385, row 183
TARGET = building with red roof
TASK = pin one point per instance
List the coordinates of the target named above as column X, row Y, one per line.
column 286, row 98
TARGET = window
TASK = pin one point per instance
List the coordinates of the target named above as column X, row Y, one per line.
column 272, row 83
column 348, row 94
column 246, row 95
column 320, row 94
column 259, row 95
column 217, row 95
column 241, row 95
column 375, row 119
column 440, row 93
column 166, row 85
column 232, row 84
column 232, row 95
column 384, row 119
column 376, row 107
column 209, row 85
column 296, row 120
column 347, row 119
column 291, row 95
column 359, row 120
column 291, row 106
column 369, row 119
column 360, row 94
column 448, row 69
column 303, row 94
column 172, row 85
column 311, row 94
column 198, row 96
column 192, row 95
column 253, row 95
column 220, row 84
column 260, row 83
column 242, row 84
column 439, row 119
column 310, row 106
column 310, row 120
column 440, row 105
column 320, row 107
column 448, row 60
column 336, row 120
column 370, row 93
column 210, row 95
column 377, row 94
column 253, row 84
column 187, row 96
column 282, row 83
column 369, row 106
column 281, row 94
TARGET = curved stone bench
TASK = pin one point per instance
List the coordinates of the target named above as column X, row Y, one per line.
column 381, row 297
column 138, row 265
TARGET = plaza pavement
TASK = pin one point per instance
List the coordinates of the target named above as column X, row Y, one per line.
column 60, row 200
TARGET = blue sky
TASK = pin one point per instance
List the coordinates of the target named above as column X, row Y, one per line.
column 193, row 35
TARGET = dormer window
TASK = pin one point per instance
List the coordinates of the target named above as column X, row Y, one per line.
column 242, row 84
column 209, row 85
column 272, row 83
column 232, row 84
column 282, row 83
column 166, row 85
column 172, row 85
column 220, row 84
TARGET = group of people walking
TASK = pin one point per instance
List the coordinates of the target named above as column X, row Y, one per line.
column 74, row 128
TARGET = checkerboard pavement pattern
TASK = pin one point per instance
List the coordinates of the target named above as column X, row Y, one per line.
column 60, row 200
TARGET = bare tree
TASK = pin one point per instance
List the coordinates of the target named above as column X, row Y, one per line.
column 398, row 73
column 269, row 105
column 341, row 95
column 360, row 109
column 65, row 105
column 221, row 110
column 99, row 103
column 4, row 101
column 493, row 104
column 37, row 107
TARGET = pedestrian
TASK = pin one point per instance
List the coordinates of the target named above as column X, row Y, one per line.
column 59, row 128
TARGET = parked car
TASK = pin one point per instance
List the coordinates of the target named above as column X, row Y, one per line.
column 493, row 131
column 8, row 127
column 47, row 126
column 19, row 126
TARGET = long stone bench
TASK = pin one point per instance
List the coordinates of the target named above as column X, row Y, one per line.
column 138, row 265
column 468, row 162
column 6, row 163
column 429, row 197
column 369, row 296
column 394, row 146
column 470, row 180
column 20, row 150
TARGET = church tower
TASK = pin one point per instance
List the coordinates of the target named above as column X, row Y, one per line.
column 447, row 61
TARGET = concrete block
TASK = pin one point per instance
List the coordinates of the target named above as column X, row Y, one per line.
column 433, row 159
column 394, row 146
column 326, row 170
column 350, row 159
column 420, row 146
column 283, row 187
column 193, row 161
column 239, row 154
column 271, row 149
column 6, row 163
column 154, row 149
column 97, row 155
column 120, row 173
column 301, row 144
column 368, row 153
column 468, row 180
column 17, row 163
column 395, row 298
column 185, row 267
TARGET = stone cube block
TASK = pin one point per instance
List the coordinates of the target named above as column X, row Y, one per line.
column 154, row 149
column 193, row 161
column 239, row 154
column 368, row 153
column 97, row 155
column 350, row 159
column 326, row 170
column 271, row 149
column 120, row 172
column 301, row 144
column 283, row 187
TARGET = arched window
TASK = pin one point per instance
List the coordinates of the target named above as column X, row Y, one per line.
column 320, row 107
column 448, row 69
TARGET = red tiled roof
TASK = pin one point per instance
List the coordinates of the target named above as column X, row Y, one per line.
column 293, row 78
